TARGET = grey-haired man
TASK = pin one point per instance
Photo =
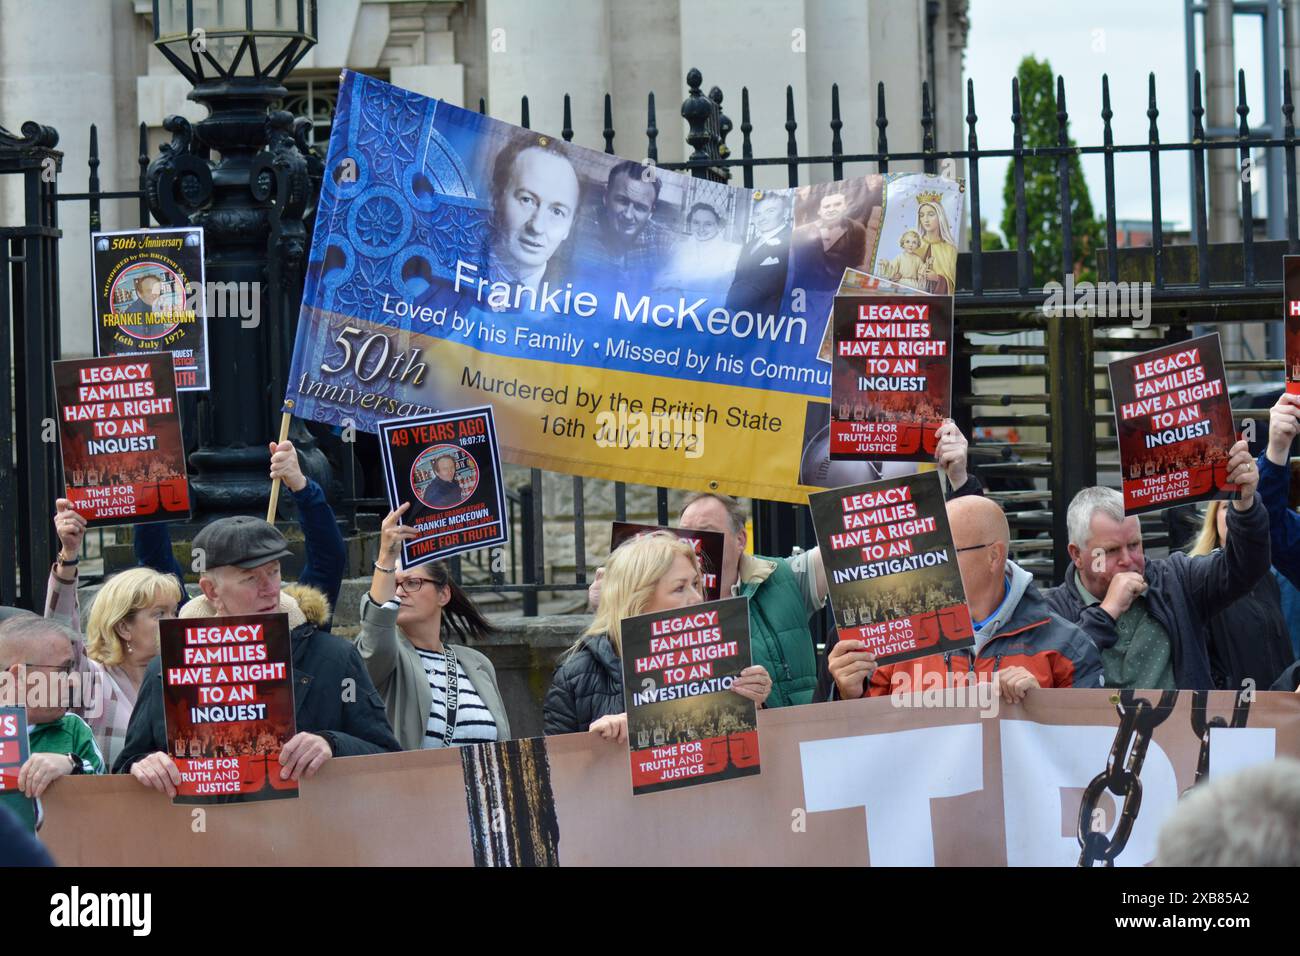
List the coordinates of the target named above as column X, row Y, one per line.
column 339, row 713
column 1148, row 617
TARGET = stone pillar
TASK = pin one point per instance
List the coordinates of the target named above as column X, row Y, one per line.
column 64, row 88
column 544, row 51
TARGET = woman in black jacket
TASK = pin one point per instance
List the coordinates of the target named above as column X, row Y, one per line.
column 1248, row 639
column 655, row 572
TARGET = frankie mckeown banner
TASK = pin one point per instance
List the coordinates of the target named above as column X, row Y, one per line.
column 891, row 381
column 708, row 547
column 891, row 567
column 625, row 322
column 1174, row 420
column 228, row 706
column 684, row 724
column 150, row 296
column 447, row 469
column 120, row 439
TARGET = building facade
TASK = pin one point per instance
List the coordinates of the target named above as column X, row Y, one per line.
column 71, row 63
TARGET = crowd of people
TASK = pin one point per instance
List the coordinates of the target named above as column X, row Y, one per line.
column 898, row 408
column 1206, row 619
column 151, row 470
column 884, row 605
column 700, row 723
column 1201, row 454
column 252, row 740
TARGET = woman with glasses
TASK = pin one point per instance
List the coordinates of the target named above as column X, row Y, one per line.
column 654, row 572
column 437, row 694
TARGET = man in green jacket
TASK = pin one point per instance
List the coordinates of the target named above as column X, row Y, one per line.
column 36, row 657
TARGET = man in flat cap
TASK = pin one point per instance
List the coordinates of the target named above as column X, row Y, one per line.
column 338, row 710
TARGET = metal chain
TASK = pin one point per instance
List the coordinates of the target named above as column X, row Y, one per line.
column 1202, row 727
column 1138, row 718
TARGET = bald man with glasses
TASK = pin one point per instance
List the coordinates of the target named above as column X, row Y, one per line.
column 1019, row 643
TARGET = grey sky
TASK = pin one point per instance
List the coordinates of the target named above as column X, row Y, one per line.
column 1126, row 39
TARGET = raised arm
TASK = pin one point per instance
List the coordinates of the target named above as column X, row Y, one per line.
column 1275, row 486
column 327, row 555
column 1219, row 578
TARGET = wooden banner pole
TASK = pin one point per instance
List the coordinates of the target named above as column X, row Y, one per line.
column 275, row 485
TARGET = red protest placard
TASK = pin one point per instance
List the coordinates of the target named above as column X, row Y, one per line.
column 1291, row 301
column 13, row 746
column 891, row 568
column 891, row 377
column 1174, row 421
column 684, row 723
column 120, row 439
column 708, row 548
column 228, row 702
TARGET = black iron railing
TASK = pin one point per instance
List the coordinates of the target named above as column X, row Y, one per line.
column 1191, row 285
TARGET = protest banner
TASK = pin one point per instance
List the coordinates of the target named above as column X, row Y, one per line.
column 447, row 468
column 867, row 782
column 120, row 439
column 684, row 723
column 1174, row 421
column 228, row 705
column 150, row 296
column 891, row 568
column 891, row 381
column 13, row 745
column 676, row 346
column 1291, row 302
column 708, row 548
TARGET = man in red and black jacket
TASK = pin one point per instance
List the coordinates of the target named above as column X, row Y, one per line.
column 1019, row 642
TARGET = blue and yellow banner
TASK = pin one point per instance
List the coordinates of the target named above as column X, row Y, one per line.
column 625, row 322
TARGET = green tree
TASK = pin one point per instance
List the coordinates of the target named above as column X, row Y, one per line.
column 1042, row 189
column 990, row 239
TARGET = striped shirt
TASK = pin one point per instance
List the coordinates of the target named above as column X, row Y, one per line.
column 474, row 722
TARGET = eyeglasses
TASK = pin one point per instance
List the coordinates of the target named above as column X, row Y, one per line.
column 58, row 668
column 975, row 547
column 415, row 582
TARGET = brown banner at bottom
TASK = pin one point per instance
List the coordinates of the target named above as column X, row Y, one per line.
column 850, row 783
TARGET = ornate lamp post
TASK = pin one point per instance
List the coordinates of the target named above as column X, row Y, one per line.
column 251, row 204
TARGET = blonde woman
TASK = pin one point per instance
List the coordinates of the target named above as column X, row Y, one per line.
column 656, row 572
column 1248, row 639
column 121, row 640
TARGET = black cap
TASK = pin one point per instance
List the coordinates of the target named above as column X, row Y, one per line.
column 242, row 541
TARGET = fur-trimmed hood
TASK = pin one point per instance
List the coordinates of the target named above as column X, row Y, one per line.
column 201, row 607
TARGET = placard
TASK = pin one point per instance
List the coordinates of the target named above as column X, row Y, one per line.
column 1291, row 318
column 150, row 296
column 14, row 746
column 120, row 439
column 447, row 467
column 228, row 704
column 891, row 567
column 708, row 548
column 685, row 725
column 1174, row 421
column 891, row 380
